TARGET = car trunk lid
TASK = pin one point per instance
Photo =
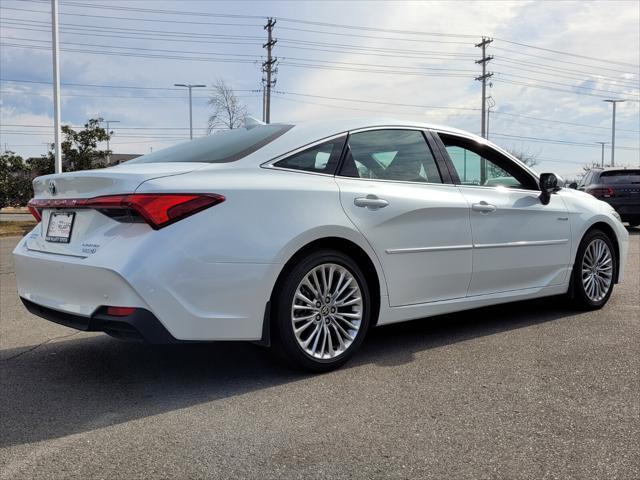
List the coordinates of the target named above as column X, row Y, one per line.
column 89, row 229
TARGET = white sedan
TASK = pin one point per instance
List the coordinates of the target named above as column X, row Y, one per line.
column 305, row 236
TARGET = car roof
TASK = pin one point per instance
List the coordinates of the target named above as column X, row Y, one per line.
column 613, row 169
column 326, row 128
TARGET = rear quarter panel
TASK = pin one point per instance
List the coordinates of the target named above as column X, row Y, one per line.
column 226, row 259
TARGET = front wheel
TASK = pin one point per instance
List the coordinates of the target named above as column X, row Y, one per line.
column 321, row 310
column 594, row 271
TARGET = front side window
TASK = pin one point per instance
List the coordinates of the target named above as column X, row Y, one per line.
column 321, row 158
column 400, row 155
column 221, row 147
column 586, row 179
column 480, row 165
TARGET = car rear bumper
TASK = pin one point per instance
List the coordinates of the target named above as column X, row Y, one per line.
column 142, row 325
column 190, row 300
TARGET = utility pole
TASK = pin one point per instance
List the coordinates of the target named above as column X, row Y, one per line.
column 602, row 144
column 613, row 131
column 492, row 103
column 189, row 86
column 56, row 86
column 483, row 78
column 269, row 70
column 109, row 132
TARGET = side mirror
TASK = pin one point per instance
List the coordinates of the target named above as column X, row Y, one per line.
column 548, row 185
column 573, row 185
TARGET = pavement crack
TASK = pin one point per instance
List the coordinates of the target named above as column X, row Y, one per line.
column 38, row 346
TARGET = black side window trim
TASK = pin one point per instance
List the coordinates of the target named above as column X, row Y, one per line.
column 490, row 154
column 427, row 135
column 440, row 154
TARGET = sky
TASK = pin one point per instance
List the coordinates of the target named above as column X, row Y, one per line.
column 554, row 64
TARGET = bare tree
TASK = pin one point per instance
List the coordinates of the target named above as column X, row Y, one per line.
column 525, row 156
column 227, row 111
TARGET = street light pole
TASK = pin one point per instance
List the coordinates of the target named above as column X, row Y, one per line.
column 189, row 86
column 56, row 87
column 602, row 144
column 613, row 130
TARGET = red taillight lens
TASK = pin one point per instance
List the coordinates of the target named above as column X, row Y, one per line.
column 161, row 210
column 602, row 192
column 120, row 311
column 34, row 211
column 157, row 209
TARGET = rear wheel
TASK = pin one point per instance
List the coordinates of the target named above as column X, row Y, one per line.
column 321, row 311
column 594, row 271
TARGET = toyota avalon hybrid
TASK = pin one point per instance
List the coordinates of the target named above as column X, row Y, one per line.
column 303, row 237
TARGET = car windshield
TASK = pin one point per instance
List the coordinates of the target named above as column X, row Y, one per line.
column 222, row 147
column 620, row 176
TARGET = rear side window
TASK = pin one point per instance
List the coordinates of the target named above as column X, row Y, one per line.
column 401, row 155
column 321, row 158
column 222, row 147
column 620, row 176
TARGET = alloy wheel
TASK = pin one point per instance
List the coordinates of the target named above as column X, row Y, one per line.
column 597, row 270
column 326, row 311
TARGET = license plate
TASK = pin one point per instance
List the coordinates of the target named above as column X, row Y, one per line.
column 60, row 225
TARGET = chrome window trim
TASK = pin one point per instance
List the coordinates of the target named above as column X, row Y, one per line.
column 501, row 188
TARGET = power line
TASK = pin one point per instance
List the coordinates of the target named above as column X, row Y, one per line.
column 136, row 31
column 138, row 55
column 173, row 21
column 551, row 82
column 334, row 25
column 533, row 85
column 563, row 61
column 569, row 74
column 93, row 85
column 560, row 52
column 555, row 142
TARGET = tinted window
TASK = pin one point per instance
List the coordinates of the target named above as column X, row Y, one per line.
column 322, row 158
column 222, row 147
column 401, row 155
column 586, row 179
column 620, row 176
column 481, row 165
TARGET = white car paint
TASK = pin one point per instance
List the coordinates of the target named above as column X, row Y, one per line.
column 210, row 276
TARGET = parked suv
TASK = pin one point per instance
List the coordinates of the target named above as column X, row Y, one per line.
column 619, row 187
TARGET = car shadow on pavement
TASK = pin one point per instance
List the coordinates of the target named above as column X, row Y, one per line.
column 78, row 385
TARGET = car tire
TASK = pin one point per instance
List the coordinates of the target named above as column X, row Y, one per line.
column 594, row 271
column 321, row 311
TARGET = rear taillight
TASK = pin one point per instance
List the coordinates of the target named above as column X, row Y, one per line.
column 157, row 209
column 120, row 311
column 35, row 212
column 602, row 192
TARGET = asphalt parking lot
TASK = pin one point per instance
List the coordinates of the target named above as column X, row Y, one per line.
column 528, row 390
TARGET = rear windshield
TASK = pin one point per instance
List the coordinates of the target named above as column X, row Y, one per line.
column 222, row 147
column 620, row 176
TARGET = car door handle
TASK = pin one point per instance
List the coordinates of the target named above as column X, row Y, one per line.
column 370, row 201
column 483, row 207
